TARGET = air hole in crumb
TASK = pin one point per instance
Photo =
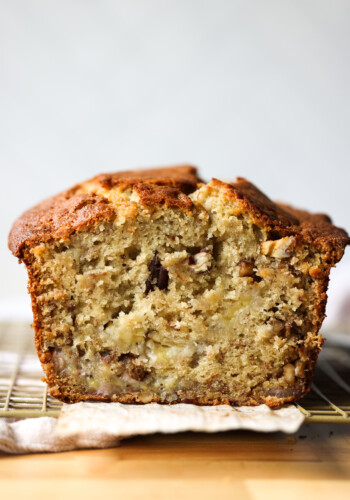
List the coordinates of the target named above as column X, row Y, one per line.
column 195, row 360
column 257, row 232
column 127, row 356
column 274, row 235
column 193, row 250
column 81, row 351
column 133, row 252
column 217, row 249
column 116, row 313
column 127, row 309
column 61, row 249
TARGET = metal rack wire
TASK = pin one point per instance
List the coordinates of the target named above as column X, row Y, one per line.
column 24, row 394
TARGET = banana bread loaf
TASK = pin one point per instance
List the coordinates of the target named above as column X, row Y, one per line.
column 151, row 285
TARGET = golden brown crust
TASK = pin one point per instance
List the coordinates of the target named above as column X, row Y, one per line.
column 281, row 219
column 57, row 217
column 183, row 177
column 253, row 200
column 74, row 209
column 150, row 195
column 317, row 229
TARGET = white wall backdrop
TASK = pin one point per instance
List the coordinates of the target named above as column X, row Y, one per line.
column 252, row 88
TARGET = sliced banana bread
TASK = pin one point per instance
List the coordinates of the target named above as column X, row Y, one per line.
column 154, row 286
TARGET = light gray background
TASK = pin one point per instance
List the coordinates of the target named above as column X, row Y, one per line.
column 258, row 89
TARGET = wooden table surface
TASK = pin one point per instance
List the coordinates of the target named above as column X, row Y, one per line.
column 314, row 463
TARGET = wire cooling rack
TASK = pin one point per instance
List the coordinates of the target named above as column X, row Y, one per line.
column 23, row 394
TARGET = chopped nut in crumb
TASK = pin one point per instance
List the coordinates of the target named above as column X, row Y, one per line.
column 271, row 329
column 289, row 373
column 315, row 272
column 279, row 249
column 246, row 268
column 201, row 261
column 299, row 369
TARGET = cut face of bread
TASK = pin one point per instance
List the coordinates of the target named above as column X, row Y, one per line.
column 156, row 287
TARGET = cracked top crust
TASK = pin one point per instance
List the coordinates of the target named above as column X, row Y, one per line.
column 93, row 201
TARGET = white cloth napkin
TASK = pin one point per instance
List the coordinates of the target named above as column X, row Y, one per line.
column 31, row 435
column 103, row 425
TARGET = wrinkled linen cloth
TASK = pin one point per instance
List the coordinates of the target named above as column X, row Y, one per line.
column 103, row 425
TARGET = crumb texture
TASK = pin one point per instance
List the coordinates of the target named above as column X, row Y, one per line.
column 171, row 290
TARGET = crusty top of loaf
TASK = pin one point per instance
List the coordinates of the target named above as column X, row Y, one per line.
column 88, row 203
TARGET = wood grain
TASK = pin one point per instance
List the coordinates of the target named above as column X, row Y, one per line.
column 314, row 463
